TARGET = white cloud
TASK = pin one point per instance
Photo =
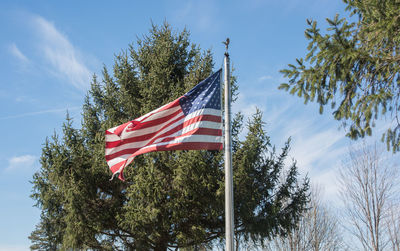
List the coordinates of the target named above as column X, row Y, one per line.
column 13, row 248
column 21, row 162
column 244, row 105
column 317, row 145
column 26, row 99
column 265, row 77
column 63, row 110
column 310, row 147
column 328, row 180
column 63, row 58
column 203, row 15
column 16, row 52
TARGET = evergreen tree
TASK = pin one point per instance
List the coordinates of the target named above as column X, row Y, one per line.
column 354, row 68
column 169, row 199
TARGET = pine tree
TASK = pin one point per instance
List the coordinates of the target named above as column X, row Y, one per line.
column 354, row 67
column 169, row 199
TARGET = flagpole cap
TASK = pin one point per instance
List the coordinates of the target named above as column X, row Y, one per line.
column 226, row 43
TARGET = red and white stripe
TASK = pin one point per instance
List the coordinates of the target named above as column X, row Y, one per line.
column 163, row 129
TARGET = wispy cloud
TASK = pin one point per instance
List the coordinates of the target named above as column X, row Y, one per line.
column 328, row 179
column 265, row 77
column 16, row 52
column 246, row 106
column 24, row 98
column 61, row 56
column 21, row 115
column 315, row 145
column 13, row 248
column 21, row 162
column 203, row 15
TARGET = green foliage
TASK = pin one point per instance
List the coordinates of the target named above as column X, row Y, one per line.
column 354, row 68
column 170, row 199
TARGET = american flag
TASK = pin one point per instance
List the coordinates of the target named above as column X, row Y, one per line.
column 191, row 122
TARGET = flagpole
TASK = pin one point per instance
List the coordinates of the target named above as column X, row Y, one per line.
column 228, row 158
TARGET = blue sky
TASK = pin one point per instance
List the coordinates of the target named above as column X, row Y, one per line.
column 50, row 49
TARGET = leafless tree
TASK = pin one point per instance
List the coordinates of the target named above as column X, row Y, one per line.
column 318, row 230
column 367, row 189
column 393, row 226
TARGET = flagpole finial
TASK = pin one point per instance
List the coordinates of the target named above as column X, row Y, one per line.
column 226, row 43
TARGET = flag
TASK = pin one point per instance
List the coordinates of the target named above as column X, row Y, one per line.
column 191, row 122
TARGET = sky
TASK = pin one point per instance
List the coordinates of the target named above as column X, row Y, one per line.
column 49, row 51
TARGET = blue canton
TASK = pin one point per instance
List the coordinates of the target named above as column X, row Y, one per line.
column 207, row 94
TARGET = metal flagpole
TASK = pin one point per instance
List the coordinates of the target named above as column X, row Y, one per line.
column 228, row 157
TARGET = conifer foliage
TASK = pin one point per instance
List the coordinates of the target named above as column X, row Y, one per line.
column 354, row 67
column 170, row 199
